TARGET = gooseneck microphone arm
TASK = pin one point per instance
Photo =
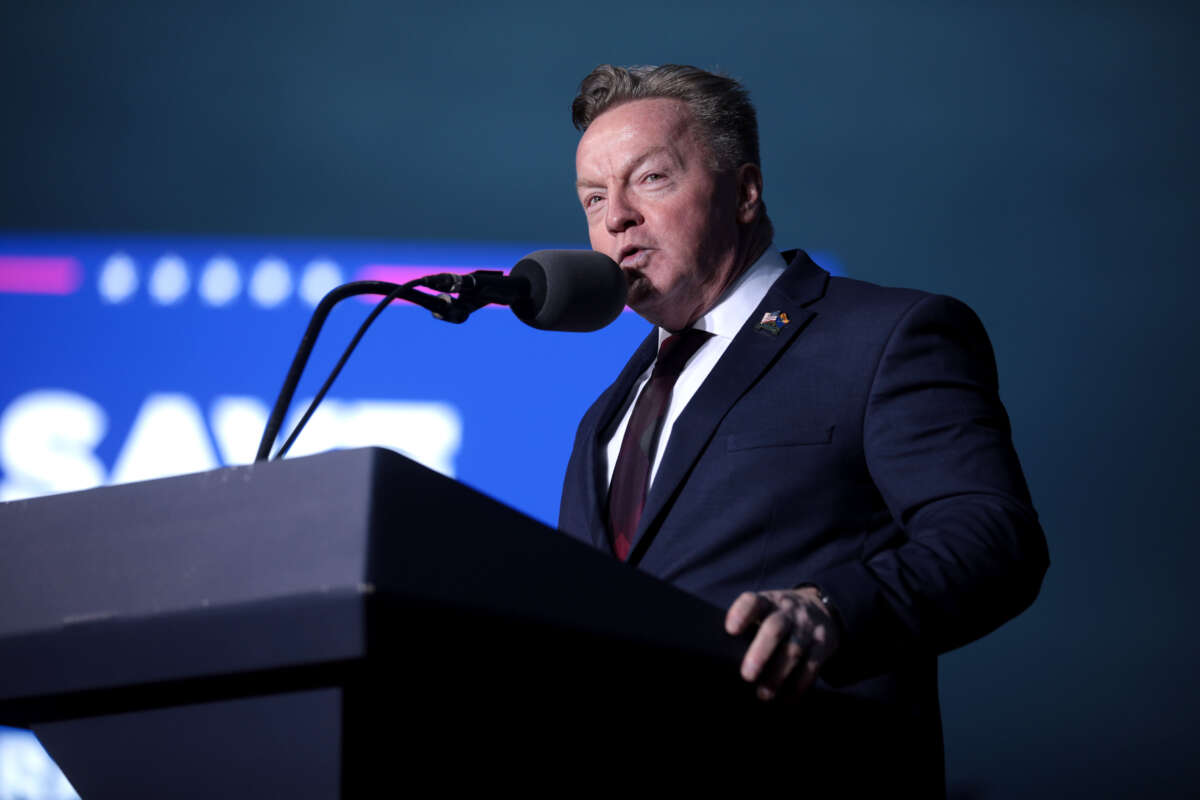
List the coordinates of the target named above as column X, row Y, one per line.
column 556, row 290
column 438, row 304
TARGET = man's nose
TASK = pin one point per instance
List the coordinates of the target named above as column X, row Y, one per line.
column 621, row 213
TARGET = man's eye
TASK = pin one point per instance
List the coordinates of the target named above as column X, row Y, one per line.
column 591, row 200
column 653, row 176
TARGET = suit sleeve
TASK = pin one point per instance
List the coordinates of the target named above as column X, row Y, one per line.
column 939, row 449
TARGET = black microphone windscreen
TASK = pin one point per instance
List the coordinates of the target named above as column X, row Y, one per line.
column 572, row 290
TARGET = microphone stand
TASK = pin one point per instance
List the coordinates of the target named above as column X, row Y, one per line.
column 434, row 303
column 474, row 292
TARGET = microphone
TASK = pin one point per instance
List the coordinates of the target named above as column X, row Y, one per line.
column 552, row 290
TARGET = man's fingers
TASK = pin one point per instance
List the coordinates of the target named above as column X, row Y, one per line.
column 817, row 652
column 786, row 657
column 807, row 675
column 748, row 609
column 791, row 643
column 774, row 630
column 798, row 647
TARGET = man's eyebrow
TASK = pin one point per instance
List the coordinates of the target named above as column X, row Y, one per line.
column 629, row 166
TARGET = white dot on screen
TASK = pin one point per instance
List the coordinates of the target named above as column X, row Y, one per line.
column 271, row 282
column 118, row 278
column 220, row 282
column 319, row 277
column 169, row 280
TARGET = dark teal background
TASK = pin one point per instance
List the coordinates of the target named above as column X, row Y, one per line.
column 1038, row 161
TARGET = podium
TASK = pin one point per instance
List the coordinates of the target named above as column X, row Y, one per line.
column 341, row 625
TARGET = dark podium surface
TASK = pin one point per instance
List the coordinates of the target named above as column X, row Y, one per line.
column 345, row 623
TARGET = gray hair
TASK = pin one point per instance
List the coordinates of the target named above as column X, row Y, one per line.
column 719, row 104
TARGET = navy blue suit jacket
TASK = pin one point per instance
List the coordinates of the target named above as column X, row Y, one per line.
column 863, row 449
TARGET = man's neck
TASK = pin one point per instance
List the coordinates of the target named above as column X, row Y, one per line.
column 734, row 307
column 755, row 239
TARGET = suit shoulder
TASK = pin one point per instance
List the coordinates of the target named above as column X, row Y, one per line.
column 853, row 292
column 823, row 292
column 850, row 295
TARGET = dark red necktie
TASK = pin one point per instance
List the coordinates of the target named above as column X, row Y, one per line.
column 631, row 475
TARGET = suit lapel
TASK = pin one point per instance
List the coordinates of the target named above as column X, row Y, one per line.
column 601, row 419
column 749, row 355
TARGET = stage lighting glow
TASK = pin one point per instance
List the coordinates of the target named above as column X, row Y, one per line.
column 319, row 277
column 220, row 282
column 271, row 283
column 169, row 280
column 118, row 278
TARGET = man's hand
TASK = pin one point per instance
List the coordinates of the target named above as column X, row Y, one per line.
column 796, row 633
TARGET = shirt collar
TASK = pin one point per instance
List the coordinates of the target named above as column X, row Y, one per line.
column 738, row 301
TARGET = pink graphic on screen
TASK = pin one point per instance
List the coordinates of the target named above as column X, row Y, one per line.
column 40, row 274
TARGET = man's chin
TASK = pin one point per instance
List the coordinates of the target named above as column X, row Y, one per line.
column 638, row 288
column 640, row 294
column 646, row 303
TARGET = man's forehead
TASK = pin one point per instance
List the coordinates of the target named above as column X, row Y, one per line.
column 632, row 132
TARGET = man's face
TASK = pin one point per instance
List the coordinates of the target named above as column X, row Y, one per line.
column 656, row 205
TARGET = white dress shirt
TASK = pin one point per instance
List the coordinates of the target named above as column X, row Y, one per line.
column 723, row 321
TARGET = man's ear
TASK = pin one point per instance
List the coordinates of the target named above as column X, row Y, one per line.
column 750, row 184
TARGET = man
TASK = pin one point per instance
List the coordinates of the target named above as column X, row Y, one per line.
column 826, row 458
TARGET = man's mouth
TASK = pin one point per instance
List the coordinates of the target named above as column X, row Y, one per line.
column 633, row 257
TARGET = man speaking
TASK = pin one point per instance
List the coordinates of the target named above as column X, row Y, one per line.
column 827, row 458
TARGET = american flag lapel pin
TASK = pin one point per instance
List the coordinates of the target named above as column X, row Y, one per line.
column 772, row 322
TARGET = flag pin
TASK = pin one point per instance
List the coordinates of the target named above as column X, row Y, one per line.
column 772, row 322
